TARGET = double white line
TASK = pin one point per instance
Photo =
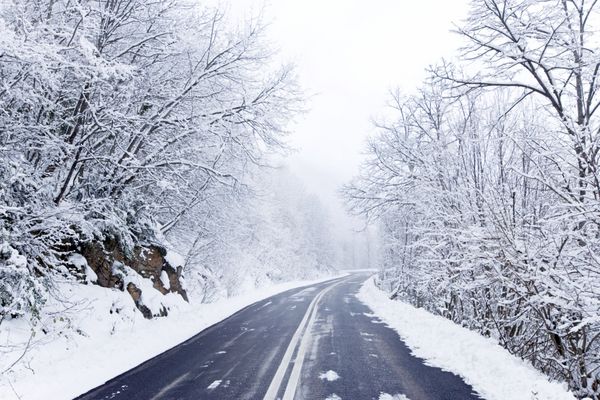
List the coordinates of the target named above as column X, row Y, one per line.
column 303, row 332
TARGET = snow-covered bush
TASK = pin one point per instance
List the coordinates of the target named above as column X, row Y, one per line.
column 20, row 292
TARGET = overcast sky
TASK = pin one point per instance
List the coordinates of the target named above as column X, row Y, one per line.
column 350, row 53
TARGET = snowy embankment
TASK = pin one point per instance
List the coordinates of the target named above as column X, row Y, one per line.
column 492, row 371
column 100, row 344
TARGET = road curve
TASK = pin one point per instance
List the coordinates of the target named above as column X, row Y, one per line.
column 315, row 342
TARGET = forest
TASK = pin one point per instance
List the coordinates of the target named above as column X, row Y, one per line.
column 142, row 139
column 486, row 187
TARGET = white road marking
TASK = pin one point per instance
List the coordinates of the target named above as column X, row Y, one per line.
column 214, row 385
column 292, row 385
column 287, row 357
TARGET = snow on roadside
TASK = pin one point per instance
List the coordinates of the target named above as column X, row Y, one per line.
column 490, row 369
column 111, row 338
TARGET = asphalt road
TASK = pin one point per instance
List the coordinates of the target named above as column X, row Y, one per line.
column 316, row 342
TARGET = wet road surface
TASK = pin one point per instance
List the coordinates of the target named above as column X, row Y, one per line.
column 315, row 342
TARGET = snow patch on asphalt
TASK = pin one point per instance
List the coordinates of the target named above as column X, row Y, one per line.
column 387, row 396
column 492, row 371
column 304, row 292
column 329, row 376
column 214, row 385
column 267, row 304
column 333, row 397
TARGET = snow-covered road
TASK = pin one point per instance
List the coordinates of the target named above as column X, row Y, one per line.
column 317, row 342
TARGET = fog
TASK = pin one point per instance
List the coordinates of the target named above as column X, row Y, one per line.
column 348, row 56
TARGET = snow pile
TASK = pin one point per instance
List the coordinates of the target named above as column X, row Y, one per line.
column 99, row 335
column 492, row 371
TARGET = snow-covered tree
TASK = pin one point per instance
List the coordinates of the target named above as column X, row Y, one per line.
column 478, row 198
column 117, row 119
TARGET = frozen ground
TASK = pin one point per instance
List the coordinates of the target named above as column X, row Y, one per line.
column 103, row 336
column 491, row 370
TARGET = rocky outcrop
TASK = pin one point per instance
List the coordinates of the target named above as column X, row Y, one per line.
column 147, row 261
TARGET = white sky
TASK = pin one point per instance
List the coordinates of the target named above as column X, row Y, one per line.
column 350, row 53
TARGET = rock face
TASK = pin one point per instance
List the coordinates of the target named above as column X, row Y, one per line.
column 148, row 261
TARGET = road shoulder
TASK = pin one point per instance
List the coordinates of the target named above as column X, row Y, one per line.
column 491, row 370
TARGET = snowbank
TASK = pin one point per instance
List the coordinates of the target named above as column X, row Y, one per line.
column 103, row 337
column 492, row 371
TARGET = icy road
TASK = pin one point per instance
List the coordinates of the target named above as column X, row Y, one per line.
column 316, row 342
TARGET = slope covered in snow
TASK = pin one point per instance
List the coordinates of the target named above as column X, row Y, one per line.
column 102, row 336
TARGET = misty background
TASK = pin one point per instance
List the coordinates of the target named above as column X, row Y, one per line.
column 349, row 56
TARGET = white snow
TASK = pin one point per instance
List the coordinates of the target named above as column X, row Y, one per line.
column 329, row 376
column 164, row 278
column 214, row 385
column 174, row 259
column 80, row 262
column 492, row 371
column 387, row 396
column 333, row 396
column 151, row 298
column 112, row 337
